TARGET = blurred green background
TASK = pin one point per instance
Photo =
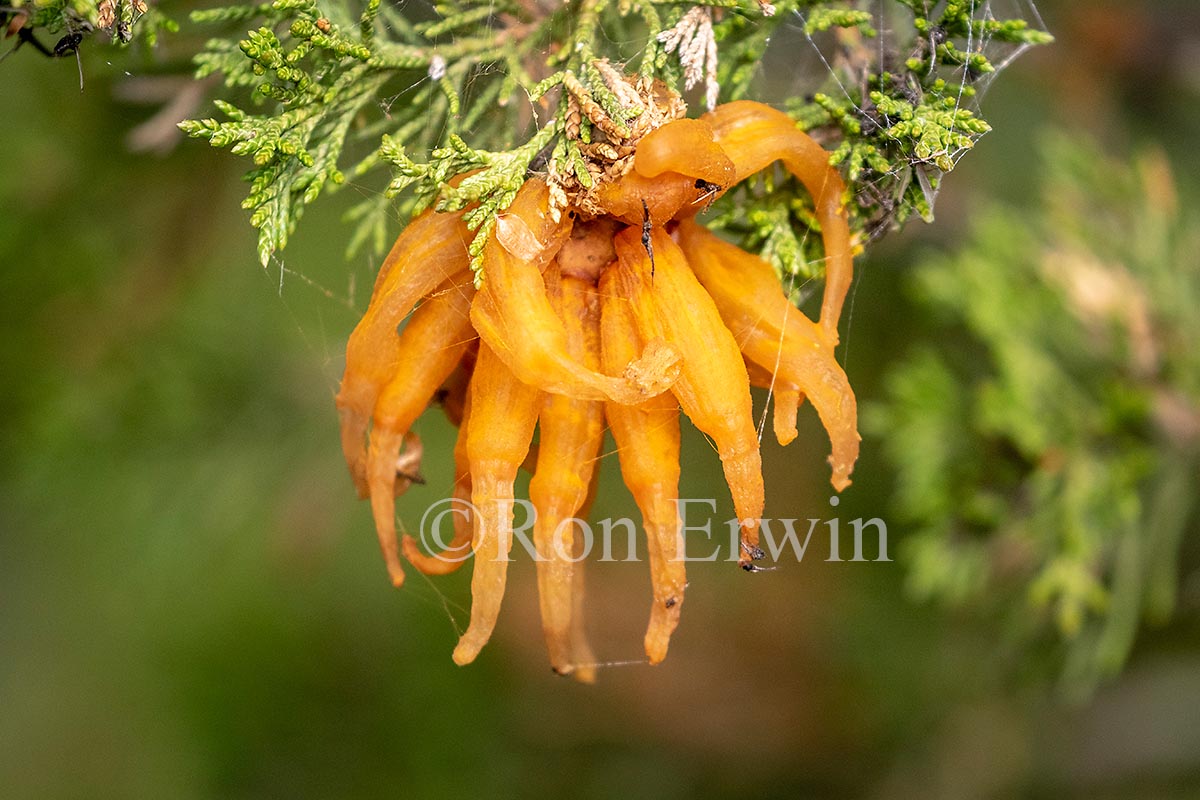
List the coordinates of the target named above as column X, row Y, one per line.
column 192, row 602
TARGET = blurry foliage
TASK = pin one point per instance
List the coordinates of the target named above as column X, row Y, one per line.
column 339, row 88
column 1049, row 451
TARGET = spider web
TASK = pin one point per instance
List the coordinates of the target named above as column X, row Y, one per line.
column 324, row 303
column 887, row 16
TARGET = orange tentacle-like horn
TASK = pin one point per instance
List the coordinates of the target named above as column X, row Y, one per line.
column 431, row 346
column 503, row 415
column 432, row 249
column 777, row 337
column 647, row 438
column 713, row 386
column 513, row 315
column 754, row 135
column 570, row 435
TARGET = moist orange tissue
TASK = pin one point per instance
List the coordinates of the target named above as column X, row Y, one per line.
column 601, row 307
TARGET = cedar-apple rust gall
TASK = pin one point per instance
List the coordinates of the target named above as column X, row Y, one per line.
column 602, row 304
column 700, row 537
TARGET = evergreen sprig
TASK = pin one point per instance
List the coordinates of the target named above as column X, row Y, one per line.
column 432, row 91
column 898, row 114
